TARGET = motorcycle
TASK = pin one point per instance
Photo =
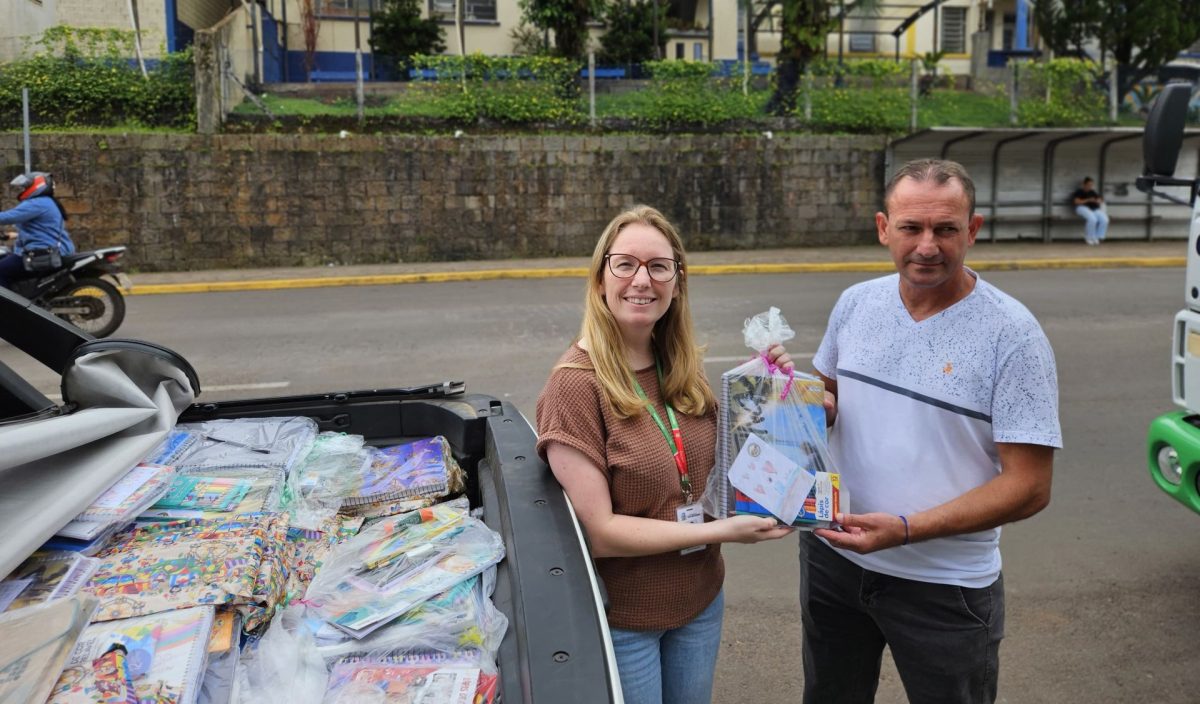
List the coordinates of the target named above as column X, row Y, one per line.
column 85, row 290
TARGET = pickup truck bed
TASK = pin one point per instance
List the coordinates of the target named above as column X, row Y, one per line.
column 556, row 648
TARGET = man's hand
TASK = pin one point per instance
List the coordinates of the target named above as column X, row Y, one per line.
column 866, row 532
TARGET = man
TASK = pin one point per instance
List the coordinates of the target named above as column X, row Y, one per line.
column 1088, row 204
column 943, row 400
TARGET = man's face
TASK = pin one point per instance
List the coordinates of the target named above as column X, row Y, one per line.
column 928, row 229
column 1088, row 184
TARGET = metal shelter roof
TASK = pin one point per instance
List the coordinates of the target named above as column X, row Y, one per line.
column 998, row 157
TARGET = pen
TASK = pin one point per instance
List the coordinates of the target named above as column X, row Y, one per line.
column 235, row 443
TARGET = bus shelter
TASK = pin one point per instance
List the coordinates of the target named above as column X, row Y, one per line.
column 1024, row 178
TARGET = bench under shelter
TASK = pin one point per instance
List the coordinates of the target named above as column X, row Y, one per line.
column 1024, row 178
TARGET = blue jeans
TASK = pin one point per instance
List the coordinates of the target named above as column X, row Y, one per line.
column 671, row 667
column 1097, row 222
column 945, row 639
column 12, row 268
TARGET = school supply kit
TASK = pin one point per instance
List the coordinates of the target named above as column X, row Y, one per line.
column 772, row 458
column 257, row 560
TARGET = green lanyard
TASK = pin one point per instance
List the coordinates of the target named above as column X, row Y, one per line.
column 674, row 437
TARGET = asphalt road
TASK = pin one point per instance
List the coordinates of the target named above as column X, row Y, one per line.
column 1101, row 586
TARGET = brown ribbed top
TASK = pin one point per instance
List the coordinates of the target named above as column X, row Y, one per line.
column 655, row 592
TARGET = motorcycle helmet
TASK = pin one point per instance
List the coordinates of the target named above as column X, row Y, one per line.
column 34, row 184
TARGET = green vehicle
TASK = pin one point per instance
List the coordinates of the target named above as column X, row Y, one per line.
column 1173, row 440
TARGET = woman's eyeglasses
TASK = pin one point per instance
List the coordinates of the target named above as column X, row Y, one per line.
column 625, row 266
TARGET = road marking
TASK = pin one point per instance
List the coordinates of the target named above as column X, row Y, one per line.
column 581, row 272
column 746, row 358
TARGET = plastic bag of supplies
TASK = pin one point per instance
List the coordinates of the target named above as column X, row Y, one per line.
column 772, row 458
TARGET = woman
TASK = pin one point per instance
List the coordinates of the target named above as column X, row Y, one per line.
column 628, row 424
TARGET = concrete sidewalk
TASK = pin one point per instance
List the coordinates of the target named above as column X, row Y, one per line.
column 983, row 256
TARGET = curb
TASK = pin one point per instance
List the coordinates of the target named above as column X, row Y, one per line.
column 579, row 272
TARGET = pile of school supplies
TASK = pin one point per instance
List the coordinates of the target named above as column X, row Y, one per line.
column 257, row 560
column 772, row 457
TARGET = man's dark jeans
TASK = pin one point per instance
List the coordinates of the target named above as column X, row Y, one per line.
column 944, row 639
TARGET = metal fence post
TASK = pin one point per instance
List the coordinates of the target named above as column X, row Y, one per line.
column 808, row 91
column 358, row 86
column 913, row 93
column 25, row 129
column 1014, row 85
column 592, row 87
column 1112, row 89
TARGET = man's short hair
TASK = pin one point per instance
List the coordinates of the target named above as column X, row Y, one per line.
column 940, row 171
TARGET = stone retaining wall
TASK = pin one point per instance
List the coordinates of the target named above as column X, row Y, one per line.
column 198, row 202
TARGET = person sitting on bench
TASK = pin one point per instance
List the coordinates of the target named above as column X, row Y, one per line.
column 1089, row 206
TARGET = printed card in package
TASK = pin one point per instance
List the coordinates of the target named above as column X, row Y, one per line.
column 772, row 457
column 421, row 683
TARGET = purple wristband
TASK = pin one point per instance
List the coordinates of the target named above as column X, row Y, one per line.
column 905, row 530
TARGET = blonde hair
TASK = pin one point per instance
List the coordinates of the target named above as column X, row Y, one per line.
column 673, row 338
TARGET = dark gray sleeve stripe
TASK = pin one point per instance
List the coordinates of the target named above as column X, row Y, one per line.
column 915, row 396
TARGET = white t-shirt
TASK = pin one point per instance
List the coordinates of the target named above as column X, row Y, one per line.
column 921, row 406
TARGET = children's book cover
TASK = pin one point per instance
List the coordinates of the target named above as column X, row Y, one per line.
column 165, row 657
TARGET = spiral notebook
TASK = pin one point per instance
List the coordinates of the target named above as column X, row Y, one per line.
column 166, row 657
column 45, row 576
column 419, row 469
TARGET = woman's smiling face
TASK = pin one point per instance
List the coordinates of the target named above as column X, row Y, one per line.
column 638, row 302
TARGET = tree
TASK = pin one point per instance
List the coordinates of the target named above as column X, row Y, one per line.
column 629, row 32
column 1142, row 35
column 400, row 33
column 567, row 19
column 805, row 26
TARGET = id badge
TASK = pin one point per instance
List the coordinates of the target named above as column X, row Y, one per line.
column 690, row 513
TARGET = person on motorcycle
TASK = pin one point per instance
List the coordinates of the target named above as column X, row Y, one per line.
column 40, row 221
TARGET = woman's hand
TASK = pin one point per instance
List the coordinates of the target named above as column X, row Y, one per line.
column 778, row 356
column 750, row 529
